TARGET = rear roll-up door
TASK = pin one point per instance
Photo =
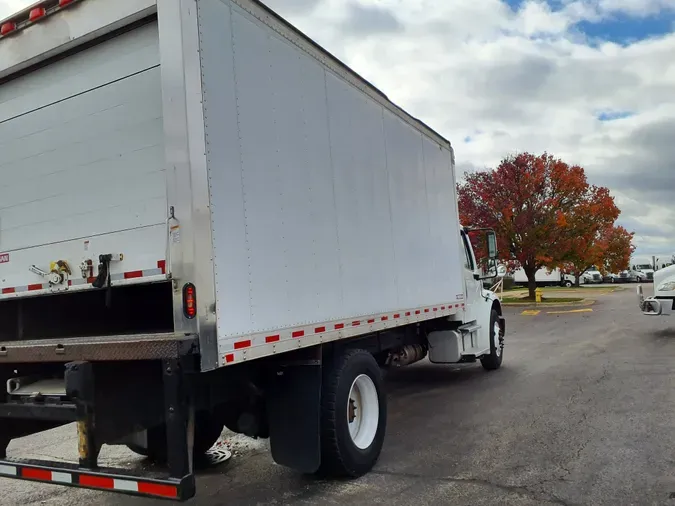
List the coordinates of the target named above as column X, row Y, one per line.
column 82, row 157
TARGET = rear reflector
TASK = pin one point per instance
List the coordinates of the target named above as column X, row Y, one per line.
column 97, row 482
column 37, row 13
column 7, row 28
column 189, row 301
column 158, row 490
column 34, row 14
column 36, row 474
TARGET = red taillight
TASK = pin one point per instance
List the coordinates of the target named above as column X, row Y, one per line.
column 8, row 27
column 63, row 3
column 189, row 301
column 37, row 13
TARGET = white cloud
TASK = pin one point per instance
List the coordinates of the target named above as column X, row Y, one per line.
column 525, row 80
column 529, row 80
column 636, row 7
column 9, row 7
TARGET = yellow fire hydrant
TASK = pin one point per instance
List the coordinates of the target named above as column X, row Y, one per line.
column 537, row 295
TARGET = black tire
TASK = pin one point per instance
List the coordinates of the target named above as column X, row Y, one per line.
column 208, row 429
column 568, row 284
column 340, row 457
column 638, row 279
column 494, row 359
column 156, row 450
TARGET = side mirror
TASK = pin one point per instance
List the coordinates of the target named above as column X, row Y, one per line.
column 490, row 274
column 492, row 245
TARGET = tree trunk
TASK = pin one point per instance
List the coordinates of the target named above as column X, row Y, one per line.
column 531, row 282
column 577, row 279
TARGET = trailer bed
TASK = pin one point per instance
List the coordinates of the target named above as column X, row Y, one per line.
column 329, row 207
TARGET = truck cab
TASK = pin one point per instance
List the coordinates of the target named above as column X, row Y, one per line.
column 642, row 272
column 663, row 300
column 591, row 276
column 642, row 268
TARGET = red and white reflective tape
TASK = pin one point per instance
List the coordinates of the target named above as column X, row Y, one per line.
column 33, row 14
column 238, row 345
column 120, row 276
column 166, row 490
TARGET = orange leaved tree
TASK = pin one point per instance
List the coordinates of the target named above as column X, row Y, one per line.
column 539, row 206
column 586, row 229
column 618, row 248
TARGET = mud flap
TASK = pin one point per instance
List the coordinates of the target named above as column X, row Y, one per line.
column 294, row 415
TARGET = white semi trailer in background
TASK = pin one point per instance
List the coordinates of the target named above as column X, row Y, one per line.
column 206, row 220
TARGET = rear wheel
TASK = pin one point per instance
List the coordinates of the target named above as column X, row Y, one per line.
column 353, row 415
column 494, row 359
column 208, row 428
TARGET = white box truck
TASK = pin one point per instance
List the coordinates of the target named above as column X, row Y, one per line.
column 208, row 221
column 544, row 277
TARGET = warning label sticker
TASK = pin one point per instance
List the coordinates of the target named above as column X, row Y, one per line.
column 4, row 258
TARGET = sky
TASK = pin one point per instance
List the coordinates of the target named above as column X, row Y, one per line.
column 589, row 81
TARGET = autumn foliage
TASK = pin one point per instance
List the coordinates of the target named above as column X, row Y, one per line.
column 617, row 243
column 545, row 214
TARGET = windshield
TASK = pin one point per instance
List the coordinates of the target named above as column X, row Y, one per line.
column 643, row 266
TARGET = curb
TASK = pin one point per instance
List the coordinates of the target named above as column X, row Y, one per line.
column 597, row 290
column 581, row 303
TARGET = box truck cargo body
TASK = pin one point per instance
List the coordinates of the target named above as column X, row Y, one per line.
column 207, row 220
column 545, row 277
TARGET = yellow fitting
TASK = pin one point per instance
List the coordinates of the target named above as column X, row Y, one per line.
column 60, row 266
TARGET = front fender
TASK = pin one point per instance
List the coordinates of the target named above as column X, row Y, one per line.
column 493, row 302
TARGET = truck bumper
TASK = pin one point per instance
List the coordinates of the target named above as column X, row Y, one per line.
column 113, row 480
column 653, row 306
column 107, row 407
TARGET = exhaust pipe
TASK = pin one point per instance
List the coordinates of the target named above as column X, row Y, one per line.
column 407, row 355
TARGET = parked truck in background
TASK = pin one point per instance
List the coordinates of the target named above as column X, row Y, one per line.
column 208, row 221
column 662, row 302
column 592, row 276
column 642, row 268
column 545, row 277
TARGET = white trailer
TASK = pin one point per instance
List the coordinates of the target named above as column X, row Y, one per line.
column 206, row 220
column 544, row 277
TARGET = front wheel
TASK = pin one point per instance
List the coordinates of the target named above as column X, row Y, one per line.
column 568, row 283
column 493, row 360
column 638, row 279
column 353, row 415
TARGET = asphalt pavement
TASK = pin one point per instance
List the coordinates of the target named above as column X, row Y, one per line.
column 581, row 412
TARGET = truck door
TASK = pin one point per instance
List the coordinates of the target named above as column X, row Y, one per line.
column 472, row 287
